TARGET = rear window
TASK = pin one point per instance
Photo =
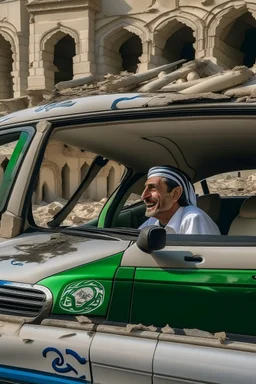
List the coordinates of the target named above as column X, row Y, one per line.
column 239, row 183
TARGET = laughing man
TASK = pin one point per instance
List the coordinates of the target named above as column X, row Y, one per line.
column 170, row 202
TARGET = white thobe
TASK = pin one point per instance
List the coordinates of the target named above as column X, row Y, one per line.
column 189, row 220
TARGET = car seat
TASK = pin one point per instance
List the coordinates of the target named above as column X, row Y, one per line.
column 210, row 204
column 245, row 223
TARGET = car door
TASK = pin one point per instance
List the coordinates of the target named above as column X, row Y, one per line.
column 195, row 282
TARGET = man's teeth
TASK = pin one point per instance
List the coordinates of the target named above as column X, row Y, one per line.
column 151, row 205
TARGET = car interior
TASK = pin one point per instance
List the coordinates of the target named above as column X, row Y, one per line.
column 201, row 147
column 234, row 215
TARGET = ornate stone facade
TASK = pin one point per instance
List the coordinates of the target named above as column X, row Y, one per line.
column 43, row 42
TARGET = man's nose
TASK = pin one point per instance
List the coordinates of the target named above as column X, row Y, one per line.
column 145, row 194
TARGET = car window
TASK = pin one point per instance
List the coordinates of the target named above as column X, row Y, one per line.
column 198, row 189
column 239, row 183
column 63, row 168
column 133, row 198
column 12, row 150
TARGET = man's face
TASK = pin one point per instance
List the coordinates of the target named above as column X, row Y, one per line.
column 159, row 202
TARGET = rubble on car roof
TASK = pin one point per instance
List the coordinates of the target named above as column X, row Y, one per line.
column 176, row 82
column 196, row 81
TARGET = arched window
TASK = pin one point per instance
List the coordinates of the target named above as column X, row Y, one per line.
column 180, row 44
column 6, row 61
column 130, row 51
column 64, row 51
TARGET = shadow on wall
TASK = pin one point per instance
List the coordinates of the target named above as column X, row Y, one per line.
column 180, row 45
column 237, row 40
column 130, row 51
column 64, row 51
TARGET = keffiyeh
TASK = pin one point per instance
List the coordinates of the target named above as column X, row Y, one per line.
column 178, row 177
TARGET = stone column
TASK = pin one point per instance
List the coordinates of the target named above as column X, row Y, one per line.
column 84, row 61
column 101, row 187
column 74, row 175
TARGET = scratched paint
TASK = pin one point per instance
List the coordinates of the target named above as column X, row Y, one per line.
column 58, row 245
column 49, row 107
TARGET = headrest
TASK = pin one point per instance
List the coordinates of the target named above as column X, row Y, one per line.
column 248, row 208
column 210, row 204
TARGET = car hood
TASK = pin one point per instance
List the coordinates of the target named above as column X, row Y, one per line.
column 32, row 257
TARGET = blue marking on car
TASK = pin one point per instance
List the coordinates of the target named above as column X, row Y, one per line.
column 16, row 263
column 58, row 363
column 6, row 118
column 114, row 104
column 49, row 107
column 29, row 376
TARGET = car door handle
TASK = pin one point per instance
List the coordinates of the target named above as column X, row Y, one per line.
column 194, row 259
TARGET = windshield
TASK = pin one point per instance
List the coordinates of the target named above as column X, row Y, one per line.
column 73, row 183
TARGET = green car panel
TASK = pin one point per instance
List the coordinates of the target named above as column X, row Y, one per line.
column 203, row 299
column 119, row 309
column 68, row 287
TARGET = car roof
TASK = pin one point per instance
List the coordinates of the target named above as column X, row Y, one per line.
column 77, row 106
column 107, row 103
column 201, row 134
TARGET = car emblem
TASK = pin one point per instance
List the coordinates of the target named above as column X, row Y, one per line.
column 82, row 296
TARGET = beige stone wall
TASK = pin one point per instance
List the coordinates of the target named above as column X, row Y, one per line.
column 64, row 168
column 54, row 40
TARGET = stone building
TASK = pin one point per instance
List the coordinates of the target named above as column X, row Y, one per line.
column 43, row 42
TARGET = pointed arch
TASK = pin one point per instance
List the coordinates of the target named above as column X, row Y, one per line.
column 170, row 27
column 226, row 30
column 127, row 31
column 10, row 45
column 65, row 31
column 58, row 63
column 130, row 24
column 49, row 182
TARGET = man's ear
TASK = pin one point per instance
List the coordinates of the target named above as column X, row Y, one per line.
column 176, row 193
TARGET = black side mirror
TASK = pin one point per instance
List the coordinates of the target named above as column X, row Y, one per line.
column 151, row 238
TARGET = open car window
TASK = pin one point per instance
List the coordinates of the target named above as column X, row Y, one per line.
column 61, row 173
column 237, row 183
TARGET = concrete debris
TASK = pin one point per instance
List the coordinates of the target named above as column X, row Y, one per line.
column 221, row 336
column 221, row 81
column 68, row 335
column 168, row 330
column 140, row 327
column 74, row 83
column 83, row 320
column 198, row 333
column 180, row 73
column 54, row 208
column 196, row 77
column 167, row 99
column 138, row 78
column 196, row 80
column 193, row 76
column 179, row 86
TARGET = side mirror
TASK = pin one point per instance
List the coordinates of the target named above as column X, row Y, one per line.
column 151, row 238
